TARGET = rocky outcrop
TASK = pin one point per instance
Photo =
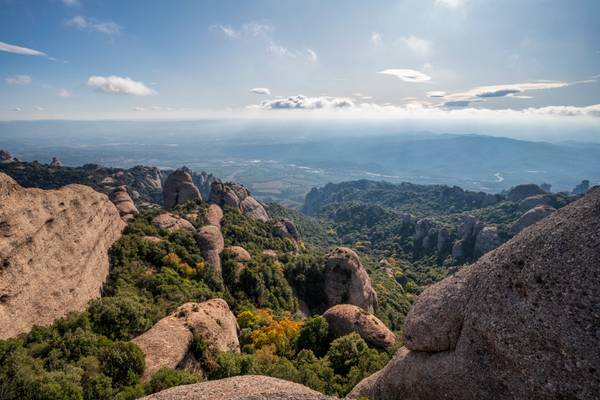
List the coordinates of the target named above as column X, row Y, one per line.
column 179, row 189
column 124, row 203
column 344, row 319
column 56, row 163
column 531, row 217
column 538, row 200
column 521, row 323
column 582, row 188
column 521, row 192
column 6, row 157
column 203, row 181
column 214, row 215
column 422, row 228
column 285, row 228
column 246, row 387
column 172, row 222
column 487, row 240
column 237, row 196
column 53, row 252
column 467, row 236
column 347, row 281
column 167, row 343
column 443, row 240
column 211, row 244
column 240, row 254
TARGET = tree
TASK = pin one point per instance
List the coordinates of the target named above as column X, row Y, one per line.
column 123, row 362
column 313, row 336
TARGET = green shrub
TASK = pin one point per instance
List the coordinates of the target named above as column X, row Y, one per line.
column 166, row 378
column 123, row 362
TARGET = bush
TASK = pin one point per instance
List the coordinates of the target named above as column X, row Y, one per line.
column 166, row 378
column 313, row 336
column 123, row 362
column 345, row 352
column 119, row 317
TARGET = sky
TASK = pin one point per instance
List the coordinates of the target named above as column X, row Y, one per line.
column 504, row 60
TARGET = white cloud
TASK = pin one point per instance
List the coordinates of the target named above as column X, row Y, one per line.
column 259, row 90
column 256, row 29
column 71, row 3
column 119, row 85
column 16, row 109
column 251, row 29
column 64, row 93
column 376, row 39
column 407, row 75
column 312, row 56
column 138, row 108
column 450, row 3
column 436, row 93
column 18, row 80
column 514, row 90
column 306, row 103
column 421, row 47
column 227, row 31
column 38, row 108
column 91, row 24
column 280, row 50
column 11, row 48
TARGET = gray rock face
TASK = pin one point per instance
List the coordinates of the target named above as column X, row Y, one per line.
column 538, row 200
column 443, row 240
column 347, row 281
column 521, row 192
column 422, row 228
column 487, row 240
column 467, row 234
column 237, row 196
column 167, row 343
column 211, row 244
column 179, row 189
column 582, row 188
column 56, row 163
column 344, row 319
column 531, row 217
column 53, row 252
column 247, row 387
column 521, row 323
column 124, row 203
column 6, row 157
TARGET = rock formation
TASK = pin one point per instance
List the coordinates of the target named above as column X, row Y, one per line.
column 6, row 157
column 347, row 281
column 443, row 240
column 531, row 217
column 285, row 228
column 167, row 343
column 240, row 254
column 487, row 240
column 172, row 222
column 211, row 244
column 422, row 228
column 346, row 318
column 237, row 196
column 179, row 189
column 203, row 181
column 538, row 200
column 521, row 192
column 124, row 204
column 53, row 252
column 56, row 163
column 467, row 234
column 214, row 215
column 521, row 323
column 582, row 188
column 246, row 387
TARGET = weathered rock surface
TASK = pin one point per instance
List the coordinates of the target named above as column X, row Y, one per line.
column 124, row 203
column 347, row 281
column 53, row 252
column 487, row 240
column 422, row 228
column 538, row 200
column 179, row 189
column 214, row 215
column 241, row 255
column 167, row 343
column 211, row 244
column 521, row 192
column 246, row 387
column 172, row 222
column 237, row 196
column 582, row 188
column 56, row 163
column 6, row 157
column 344, row 319
column 285, row 228
column 531, row 217
column 521, row 323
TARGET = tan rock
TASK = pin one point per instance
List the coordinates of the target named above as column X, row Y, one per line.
column 247, row 387
column 179, row 188
column 344, row 319
column 347, row 281
column 241, row 254
column 124, row 203
column 214, row 215
column 520, row 323
column 211, row 244
column 531, row 217
column 237, row 196
column 53, row 252
column 172, row 222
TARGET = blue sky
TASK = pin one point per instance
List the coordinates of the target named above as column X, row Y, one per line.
column 480, row 59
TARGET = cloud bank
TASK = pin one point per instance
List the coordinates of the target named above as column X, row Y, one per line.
column 407, row 75
column 306, row 103
column 508, row 90
column 11, row 48
column 119, row 85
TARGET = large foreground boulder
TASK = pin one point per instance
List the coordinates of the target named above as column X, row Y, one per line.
column 521, row 323
column 53, row 252
column 179, row 189
column 167, row 343
column 247, row 387
column 347, row 281
column 344, row 319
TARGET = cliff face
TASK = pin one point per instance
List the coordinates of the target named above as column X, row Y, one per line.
column 53, row 252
